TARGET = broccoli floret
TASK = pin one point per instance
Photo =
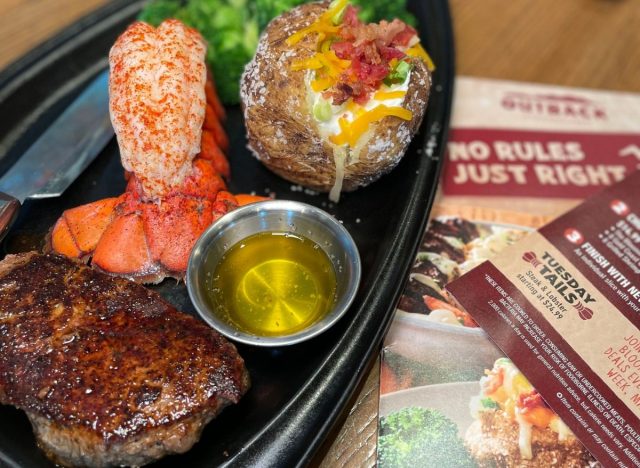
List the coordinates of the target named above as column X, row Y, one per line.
column 156, row 11
column 420, row 437
column 489, row 403
column 230, row 28
column 376, row 10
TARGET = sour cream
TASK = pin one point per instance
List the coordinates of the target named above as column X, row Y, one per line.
column 332, row 126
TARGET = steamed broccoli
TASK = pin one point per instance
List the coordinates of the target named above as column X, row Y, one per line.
column 376, row 10
column 157, row 11
column 420, row 437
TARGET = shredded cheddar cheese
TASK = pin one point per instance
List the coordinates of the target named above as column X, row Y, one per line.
column 328, row 15
column 418, row 51
column 352, row 131
column 317, row 27
column 322, row 25
column 386, row 95
column 325, row 46
column 328, row 62
column 321, row 84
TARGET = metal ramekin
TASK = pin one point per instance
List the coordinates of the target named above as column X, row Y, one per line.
column 283, row 216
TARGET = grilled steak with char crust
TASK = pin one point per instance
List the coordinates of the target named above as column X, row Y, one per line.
column 107, row 371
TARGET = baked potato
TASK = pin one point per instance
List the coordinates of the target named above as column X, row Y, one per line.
column 301, row 126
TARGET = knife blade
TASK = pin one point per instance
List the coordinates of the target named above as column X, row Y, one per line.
column 60, row 154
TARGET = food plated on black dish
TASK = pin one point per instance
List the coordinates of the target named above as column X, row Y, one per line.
column 267, row 368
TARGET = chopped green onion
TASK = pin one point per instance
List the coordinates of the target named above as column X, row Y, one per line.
column 322, row 110
column 488, row 403
column 398, row 74
column 337, row 18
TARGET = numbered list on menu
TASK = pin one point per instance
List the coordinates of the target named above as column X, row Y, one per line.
column 564, row 305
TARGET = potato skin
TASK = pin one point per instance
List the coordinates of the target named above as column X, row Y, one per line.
column 281, row 130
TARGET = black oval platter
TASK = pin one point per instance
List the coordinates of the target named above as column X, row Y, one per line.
column 298, row 392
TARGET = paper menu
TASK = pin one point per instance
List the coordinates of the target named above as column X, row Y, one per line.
column 563, row 304
column 512, row 139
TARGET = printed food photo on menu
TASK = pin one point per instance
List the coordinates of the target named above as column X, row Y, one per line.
column 449, row 396
column 513, row 426
column 450, row 247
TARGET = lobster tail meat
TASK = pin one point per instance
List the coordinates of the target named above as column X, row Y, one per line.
column 166, row 114
column 158, row 102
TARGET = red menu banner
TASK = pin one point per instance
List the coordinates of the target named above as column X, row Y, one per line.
column 527, row 140
column 526, row 164
column 564, row 305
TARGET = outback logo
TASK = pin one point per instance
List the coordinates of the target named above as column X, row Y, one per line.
column 550, row 105
column 562, row 281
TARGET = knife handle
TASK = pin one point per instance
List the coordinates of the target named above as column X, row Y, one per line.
column 9, row 208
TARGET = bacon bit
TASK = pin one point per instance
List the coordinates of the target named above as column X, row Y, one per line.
column 352, row 58
column 339, row 94
column 370, row 48
column 530, row 400
column 350, row 18
column 394, row 33
column 390, row 53
column 343, row 50
column 403, row 38
column 533, row 409
column 371, row 53
column 493, row 382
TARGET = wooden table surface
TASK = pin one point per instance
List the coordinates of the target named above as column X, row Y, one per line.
column 585, row 43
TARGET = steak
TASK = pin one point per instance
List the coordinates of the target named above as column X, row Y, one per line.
column 107, row 371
